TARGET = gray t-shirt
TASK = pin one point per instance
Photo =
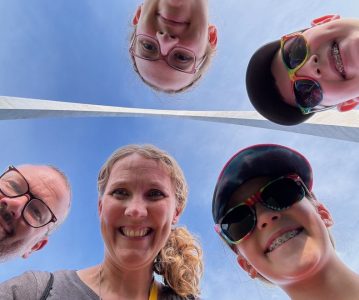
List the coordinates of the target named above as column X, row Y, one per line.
column 66, row 286
column 31, row 285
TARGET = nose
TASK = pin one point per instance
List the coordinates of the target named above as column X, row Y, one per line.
column 311, row 68
column 265, row 216
column 11, row 208
column 166, row 41
column 136, row 207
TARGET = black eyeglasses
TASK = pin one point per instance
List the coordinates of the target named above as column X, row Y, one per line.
column 35, row 212
column 179, row 58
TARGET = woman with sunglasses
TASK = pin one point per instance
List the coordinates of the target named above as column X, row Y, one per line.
column 142, row 193
column 308, row 71
column 265, row 210
column 172, row 44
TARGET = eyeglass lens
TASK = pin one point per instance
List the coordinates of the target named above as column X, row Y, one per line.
column 294, row 51
column 36, row 213
column 308, row 93
column 12, row 184
column 238, row 223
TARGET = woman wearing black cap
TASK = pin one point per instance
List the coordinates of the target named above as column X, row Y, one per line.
column 264, row 209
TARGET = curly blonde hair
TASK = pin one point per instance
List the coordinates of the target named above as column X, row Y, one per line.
column 180, row 260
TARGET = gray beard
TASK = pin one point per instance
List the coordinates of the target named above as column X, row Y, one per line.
column 9, row 250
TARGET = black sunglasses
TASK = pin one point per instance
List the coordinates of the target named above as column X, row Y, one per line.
column 308, row 92
column 279, row 194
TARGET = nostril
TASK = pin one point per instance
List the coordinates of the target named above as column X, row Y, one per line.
column 7, row 217
column 264, row 225
column 318, row 71
column 274, row 218
column 161, row 32
column 172, row 37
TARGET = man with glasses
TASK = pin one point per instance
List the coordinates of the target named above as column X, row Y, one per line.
column 307, row 72
column 34, row 200
column 172, row 43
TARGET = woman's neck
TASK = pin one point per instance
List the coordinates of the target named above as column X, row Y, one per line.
column 111, row 282
column 334, row 281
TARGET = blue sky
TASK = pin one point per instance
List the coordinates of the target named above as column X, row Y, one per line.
column 78, row 51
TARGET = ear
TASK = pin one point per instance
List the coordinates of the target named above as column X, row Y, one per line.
column 212, row 36
column 324, row 19
column 38, row 246
column 348, row 105
column 137, row 16
column 324, row 214
column 176, row 216
column 246, row 266
column 99, row 206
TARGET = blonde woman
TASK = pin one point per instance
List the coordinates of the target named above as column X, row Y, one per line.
column 172, row 43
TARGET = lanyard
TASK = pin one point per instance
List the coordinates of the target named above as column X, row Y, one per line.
column 154, row 291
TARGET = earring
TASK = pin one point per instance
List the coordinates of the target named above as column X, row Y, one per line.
column 248, row 268
column 157, row 265
column 252, row 273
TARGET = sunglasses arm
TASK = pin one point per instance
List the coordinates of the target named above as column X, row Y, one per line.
column 324, row 19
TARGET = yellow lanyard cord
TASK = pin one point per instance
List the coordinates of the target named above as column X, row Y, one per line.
column 154, row 291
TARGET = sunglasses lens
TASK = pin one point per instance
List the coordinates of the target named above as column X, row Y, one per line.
column 308, row 93
column 238, row 223
column 282, row 194
column 294, row 51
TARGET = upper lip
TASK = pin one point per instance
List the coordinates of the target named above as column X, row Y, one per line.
column 278, row 234
column 8, row 229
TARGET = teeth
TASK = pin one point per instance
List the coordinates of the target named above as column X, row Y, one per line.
column 283, row 238
column 338, row 59
column 135, row 233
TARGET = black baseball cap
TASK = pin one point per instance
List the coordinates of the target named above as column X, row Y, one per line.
column 257, row 161
column 263, row 92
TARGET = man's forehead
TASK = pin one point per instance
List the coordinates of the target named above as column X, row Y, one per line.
column 46, row 183
column 36, row 171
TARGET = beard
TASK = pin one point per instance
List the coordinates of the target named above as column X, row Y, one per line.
column 10, row 249
column 9, row 246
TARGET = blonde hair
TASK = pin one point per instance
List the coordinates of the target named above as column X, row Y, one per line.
column 180, row 260
column 210, row 51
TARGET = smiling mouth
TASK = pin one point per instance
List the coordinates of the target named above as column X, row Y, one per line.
column 132, row 233
column 283, row 239
column 338, row 62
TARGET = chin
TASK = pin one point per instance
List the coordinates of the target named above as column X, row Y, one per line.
column 298, row 269
column 134, row 259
